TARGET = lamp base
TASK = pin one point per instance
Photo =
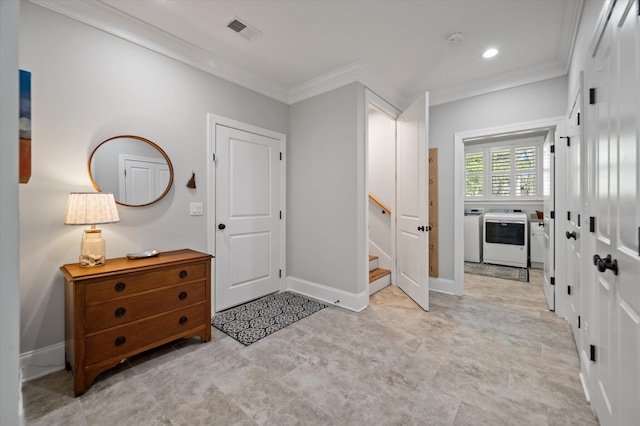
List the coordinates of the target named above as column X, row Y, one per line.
column 92, row 249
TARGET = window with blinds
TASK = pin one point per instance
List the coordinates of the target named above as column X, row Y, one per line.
column 503, row 171
column 474, row 169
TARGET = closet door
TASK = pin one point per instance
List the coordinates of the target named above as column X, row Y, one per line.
column 605, row 151
column 626, row 211
column 616, row 207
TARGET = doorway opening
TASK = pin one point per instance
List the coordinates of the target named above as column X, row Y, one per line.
column 490, row 181
column 381, row 190
column 404, row 165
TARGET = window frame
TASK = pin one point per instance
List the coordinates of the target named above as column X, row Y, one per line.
column 512, row 145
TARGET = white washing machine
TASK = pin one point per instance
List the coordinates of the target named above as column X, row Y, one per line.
column 506, row 238
column 473, row 235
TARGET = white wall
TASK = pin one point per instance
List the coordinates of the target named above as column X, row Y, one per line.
column 531, row 102
column 88, row 86
column 9, row 290
column 322, row 193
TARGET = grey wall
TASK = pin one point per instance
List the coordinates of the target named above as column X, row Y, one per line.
column 535, row 101
column 322, row 184
column 9, row 290
column 88, row 86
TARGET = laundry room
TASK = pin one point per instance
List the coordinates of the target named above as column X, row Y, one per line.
column 504, row 202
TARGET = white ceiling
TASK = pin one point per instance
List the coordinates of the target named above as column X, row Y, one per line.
column 398, row 48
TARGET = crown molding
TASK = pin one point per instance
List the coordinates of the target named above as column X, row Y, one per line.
column 112, row 21
column 569, row 30
column 352, row 73
column 498, row 82
column 105, row 18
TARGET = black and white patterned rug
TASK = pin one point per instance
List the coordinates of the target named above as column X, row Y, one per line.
column 497, row 271
column 252, row 321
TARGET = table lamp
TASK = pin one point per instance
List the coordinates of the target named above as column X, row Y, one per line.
column 91, row 208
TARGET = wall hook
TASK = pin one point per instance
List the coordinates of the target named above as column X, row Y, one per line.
column 192, row 181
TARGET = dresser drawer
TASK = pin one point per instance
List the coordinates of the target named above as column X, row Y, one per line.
column 121, row 311
column 132, row 336
column 126, row 284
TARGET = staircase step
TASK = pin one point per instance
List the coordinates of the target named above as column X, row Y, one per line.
column 378, row 279
column 378, row 273
column 373, row 262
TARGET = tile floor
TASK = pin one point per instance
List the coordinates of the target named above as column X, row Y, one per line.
column 494, row 356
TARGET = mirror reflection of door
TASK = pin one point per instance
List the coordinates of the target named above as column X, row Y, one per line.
column 134, row 169
column 141, row 179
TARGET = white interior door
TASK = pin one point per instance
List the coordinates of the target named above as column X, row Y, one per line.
column 627, row 211
column 144, row 179
column 548, row 183
column 412, row 220
column 247, row 215
column 604, row 395
column 573, row 198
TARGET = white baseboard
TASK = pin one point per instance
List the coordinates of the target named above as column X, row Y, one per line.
column 585, row 388
column 43, row 361
column 332, row 296
column 442, row 285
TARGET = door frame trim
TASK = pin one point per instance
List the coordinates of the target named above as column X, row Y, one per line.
column 458, row 185
column 216, row 120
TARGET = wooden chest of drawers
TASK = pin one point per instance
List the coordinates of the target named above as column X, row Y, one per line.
column 129, row 306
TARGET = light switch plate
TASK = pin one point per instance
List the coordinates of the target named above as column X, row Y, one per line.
column 196, row 209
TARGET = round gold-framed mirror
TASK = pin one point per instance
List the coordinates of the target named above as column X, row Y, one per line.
column 137, row 171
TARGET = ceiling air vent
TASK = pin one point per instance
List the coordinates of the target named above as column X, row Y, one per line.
column 244, row 29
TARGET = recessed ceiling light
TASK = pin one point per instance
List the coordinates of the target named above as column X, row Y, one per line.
column 490, row 53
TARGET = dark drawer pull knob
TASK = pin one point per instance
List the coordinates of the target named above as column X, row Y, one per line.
column 183, row 295
column 120, row 286
column 183, row 274
column 120, row 312
column 120, row 340
column 183, row 320
column 571, row 235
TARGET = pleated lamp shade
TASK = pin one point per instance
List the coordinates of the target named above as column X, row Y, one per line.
column 91, row 208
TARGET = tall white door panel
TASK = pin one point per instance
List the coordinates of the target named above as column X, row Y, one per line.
column 625, row 211
column 575, row 219
column 247, row 215
column 605, row 149
column 548, row 192
column 412, row 226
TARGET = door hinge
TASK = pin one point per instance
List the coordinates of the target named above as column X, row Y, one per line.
column 214, row 157
column 568, row 215
column 125, row 172
column 579, row 322
column 592, row 96
column 553, row 149
column 552, row 280
column 578, row 119
column 569, row 290
column 280, row 214
column 553, row 214
column 578, row 220
column 592, row 353
column 280, row 156
column 280, row 273
column 568, row 138
column 592, row 224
